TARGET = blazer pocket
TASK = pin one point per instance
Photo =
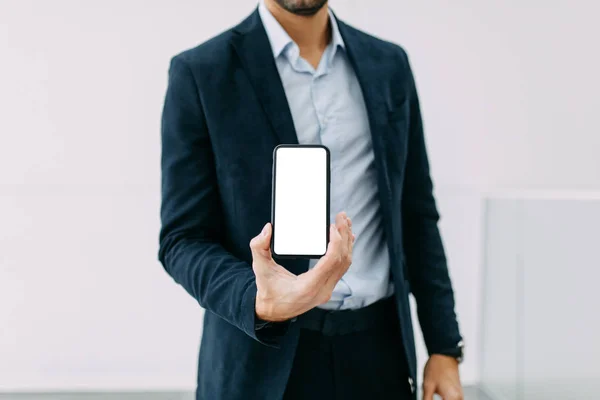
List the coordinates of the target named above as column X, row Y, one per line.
column 398, row 109
column 398, row 121
column 397, row 133
column 398, row 115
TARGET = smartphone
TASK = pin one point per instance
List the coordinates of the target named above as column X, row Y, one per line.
column 300, row 201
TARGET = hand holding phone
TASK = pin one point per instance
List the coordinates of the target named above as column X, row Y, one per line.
column 282, row 295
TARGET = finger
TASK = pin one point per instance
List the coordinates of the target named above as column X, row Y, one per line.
column 261, row 244
column 350, row 236
column 343, row 227
column 341, row 222
column 450, row 392
column 428, row 391
column 325, row 267
column 342, row 263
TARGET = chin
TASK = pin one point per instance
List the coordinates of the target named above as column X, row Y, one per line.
column 302, row 7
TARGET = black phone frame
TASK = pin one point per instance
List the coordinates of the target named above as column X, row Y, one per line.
column 327, row 208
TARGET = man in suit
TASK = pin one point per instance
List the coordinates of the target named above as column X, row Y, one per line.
column 338, row 327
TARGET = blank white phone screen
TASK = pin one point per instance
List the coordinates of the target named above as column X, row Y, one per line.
column 300, row 216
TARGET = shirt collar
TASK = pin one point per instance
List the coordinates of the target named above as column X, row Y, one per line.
column 280, row 39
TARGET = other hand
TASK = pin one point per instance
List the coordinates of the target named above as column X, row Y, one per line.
column 441, row 377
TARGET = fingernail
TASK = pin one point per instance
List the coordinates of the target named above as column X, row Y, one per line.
column 264, row 230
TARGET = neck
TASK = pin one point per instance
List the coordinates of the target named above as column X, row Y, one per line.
column 310, row 33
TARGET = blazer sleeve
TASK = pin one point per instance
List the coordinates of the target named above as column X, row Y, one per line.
column 191, row 232
column 423, row 247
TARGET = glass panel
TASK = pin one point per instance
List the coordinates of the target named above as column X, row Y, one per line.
column 541, row 317
column 499, row 317
column 561, row 307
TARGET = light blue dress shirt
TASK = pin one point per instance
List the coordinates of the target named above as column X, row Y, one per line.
column 328, row 108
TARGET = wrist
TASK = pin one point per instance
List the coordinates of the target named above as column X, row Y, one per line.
column 456, row 353
column 264, row 310
column 261, row 308
column 446, row 358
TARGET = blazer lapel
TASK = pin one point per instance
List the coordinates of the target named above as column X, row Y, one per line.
column 369, row 69
column 254, row 50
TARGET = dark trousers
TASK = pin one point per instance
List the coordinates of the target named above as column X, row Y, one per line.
column 365, row 365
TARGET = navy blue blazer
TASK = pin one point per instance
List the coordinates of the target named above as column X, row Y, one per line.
column 225, row 111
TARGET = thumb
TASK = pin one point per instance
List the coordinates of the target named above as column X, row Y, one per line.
column 261, row 244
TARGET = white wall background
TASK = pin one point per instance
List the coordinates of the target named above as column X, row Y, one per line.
column 509, row 92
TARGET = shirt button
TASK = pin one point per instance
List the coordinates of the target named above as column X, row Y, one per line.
column 412, row 384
